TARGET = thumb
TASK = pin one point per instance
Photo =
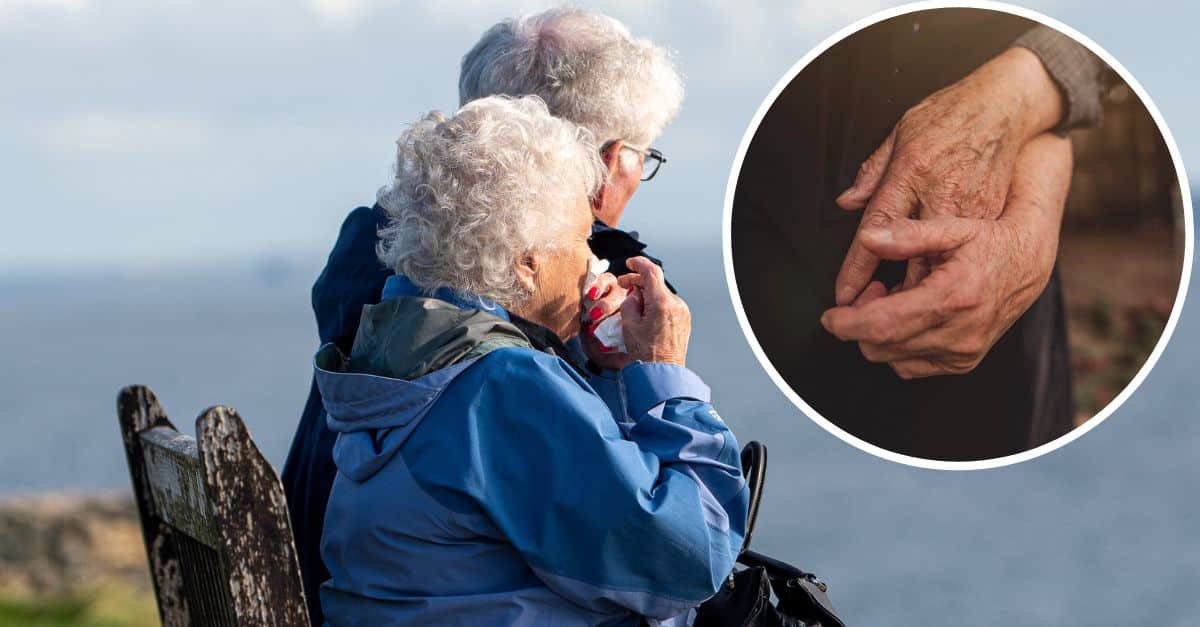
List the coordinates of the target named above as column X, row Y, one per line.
column 906, row 238
column 870, row 173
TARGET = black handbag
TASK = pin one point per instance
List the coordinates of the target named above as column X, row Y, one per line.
column 745, row 598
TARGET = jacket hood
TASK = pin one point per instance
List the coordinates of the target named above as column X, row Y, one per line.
column 407, row 351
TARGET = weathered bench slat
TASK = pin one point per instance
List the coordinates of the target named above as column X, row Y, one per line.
column 214, row 519
column 176, row 483
column 250, row 509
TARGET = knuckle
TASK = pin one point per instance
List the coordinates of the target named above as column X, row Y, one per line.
column 943, row 309
column 973, row 349
column 917, row 160
column 877, row 220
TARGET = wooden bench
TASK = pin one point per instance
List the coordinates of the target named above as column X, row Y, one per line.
column 214, row 519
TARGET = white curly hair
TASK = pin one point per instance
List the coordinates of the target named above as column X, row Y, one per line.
column 476, row 191
column 586, row 66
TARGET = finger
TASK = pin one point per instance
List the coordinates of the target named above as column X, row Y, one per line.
column 603, row 285
column 916, row 347
column 909, row 369
column 630, row 281
column 893, row 318
column 606, row 306
column 878, row 353
column 906, row 366
column 906, row 238
column 893, row 200
column 654, row 286
column 868, row 177
column 918, row 268
column 875, row 290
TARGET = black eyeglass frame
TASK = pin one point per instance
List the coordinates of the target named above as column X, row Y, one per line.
column 651, row 153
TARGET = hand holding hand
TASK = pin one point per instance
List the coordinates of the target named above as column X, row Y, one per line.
column 656, row 322
column 985, row 274
column 950, row 155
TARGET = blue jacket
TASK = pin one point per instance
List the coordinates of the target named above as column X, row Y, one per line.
column 501, row 490
column 353, row 277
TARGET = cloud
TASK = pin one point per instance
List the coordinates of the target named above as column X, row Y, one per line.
column 263, row 121
column 13, row 10
column 17, row 5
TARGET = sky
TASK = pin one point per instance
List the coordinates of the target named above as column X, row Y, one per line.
column 146, row 135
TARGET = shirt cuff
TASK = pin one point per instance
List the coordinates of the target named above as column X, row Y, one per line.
column 651, row 384
column 1075, row 71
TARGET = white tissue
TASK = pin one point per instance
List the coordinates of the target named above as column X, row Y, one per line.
column 608, row 332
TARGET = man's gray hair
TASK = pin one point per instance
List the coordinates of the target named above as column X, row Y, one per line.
column 586, row 66
column 476, row 191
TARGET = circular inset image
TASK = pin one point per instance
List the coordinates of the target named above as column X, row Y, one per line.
column 956, row 236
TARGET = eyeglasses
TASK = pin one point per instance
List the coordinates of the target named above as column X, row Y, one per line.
column 652, row 158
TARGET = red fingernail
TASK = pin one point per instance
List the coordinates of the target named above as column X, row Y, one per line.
column 592, row 293
column 595, row 313
column 607, row 349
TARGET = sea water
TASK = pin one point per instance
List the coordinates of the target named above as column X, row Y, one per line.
column 1103, row 532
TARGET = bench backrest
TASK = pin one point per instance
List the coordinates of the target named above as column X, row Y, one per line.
column 214, row 518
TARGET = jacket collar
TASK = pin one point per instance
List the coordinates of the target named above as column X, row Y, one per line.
column 539, row 336
column 400, row 285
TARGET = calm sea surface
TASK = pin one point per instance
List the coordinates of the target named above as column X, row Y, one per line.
column 1103, row 532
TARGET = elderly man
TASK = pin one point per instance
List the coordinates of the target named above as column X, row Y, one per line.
column 589, row 70
column 968, row 103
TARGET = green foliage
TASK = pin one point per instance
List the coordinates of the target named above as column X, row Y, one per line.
column 108, row 606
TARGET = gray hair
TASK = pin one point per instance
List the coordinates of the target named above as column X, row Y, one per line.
column 586, row 66
column 476, row 191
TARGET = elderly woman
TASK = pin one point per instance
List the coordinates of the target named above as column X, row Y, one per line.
column 481, row 480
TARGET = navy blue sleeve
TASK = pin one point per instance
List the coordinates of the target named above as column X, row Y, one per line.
column 353, row 277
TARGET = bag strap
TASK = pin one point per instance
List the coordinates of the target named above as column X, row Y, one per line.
column 754, row 468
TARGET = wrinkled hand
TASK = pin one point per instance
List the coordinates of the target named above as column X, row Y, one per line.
column 950, row 155
column 601, row 301
column 656, row 322
column 984, row 274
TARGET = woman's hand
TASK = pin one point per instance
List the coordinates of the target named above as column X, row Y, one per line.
column 656, row 322
column 601, row 301
column 985, row 274
column 951, row 155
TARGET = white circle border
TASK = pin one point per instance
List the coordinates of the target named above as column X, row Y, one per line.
column 919, row 462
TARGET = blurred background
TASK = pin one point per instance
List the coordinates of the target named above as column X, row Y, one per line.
column 1121, row 249
column 175, row 172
